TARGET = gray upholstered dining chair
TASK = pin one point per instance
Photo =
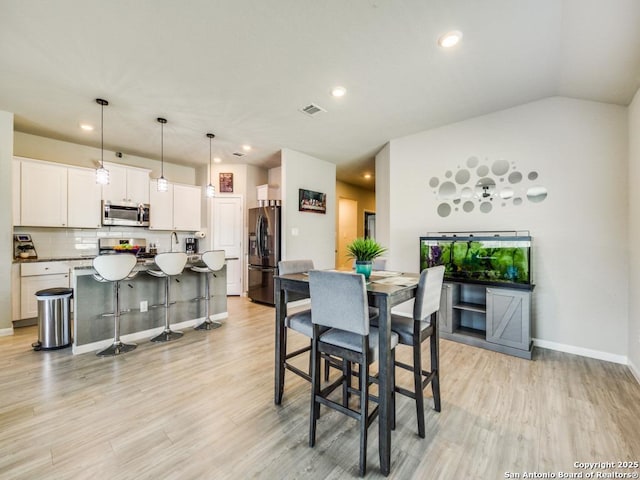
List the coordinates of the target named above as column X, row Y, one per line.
column 341, row 329
column 300, row 321
column 413, row 331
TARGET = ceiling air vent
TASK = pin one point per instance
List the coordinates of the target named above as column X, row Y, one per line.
column 312, row 109
column 238, row 154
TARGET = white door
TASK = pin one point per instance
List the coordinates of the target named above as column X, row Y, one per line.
column 227, row 235
column 347, row 230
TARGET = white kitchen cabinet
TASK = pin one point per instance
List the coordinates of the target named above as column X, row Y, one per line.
column 83, row 198
column 15, row 186
column 43, row 194
column 160, row 207
column 176, row 209
column 127, row 185
column 39, row 276
column 187, row 201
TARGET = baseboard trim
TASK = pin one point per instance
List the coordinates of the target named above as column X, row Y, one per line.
column 634, row 370
column 143, row 335
column 583, row 352
column 5, row 332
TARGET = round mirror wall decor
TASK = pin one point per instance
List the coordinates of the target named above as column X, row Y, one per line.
column 479, row 181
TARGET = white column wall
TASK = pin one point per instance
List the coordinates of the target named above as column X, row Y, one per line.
column 306, row 234
column 6, row 221
column 633, row 337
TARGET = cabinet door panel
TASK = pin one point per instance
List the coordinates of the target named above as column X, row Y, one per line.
column 186, row 207
column 160, row 207
column 84, row 196
column 508, row 317
column 116, row 191
column 137, row 186
column 30, row 285
column 43, row 195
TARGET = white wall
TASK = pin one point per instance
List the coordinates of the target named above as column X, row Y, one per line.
column 580, row 265
column 634, row 235
column 315, row 237
column 6, row 220
column 42, row 148
column 383, row 202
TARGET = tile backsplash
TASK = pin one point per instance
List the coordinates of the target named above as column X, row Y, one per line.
column 69, row 242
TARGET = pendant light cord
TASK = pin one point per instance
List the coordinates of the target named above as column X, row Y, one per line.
column 161, row 150
column 101, row 135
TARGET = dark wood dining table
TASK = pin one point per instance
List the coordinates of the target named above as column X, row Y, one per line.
column 384, row 296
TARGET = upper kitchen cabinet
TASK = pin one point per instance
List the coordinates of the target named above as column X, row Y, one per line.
column 83, row 196
column 15, row 184
column 176, row 209
column 186, row 207
column 160, row 207
column 127, row 185
column 43, row 194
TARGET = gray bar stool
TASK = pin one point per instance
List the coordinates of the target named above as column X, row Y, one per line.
column 115, row 268
column 171, row 264
column 214, row 261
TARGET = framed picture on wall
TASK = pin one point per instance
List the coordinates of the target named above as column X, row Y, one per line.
column 226, row 183
column 310, row 201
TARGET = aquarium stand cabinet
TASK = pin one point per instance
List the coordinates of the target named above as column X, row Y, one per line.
column 495, row 318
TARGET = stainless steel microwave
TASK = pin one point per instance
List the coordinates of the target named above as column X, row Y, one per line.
column 125, row 215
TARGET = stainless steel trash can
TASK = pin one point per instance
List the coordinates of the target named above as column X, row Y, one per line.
column 54, row 323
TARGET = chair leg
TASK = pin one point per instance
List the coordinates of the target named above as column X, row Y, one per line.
column 167, row 334
column 364, row 415
column 117, row 347
column 417, row 382
column 346, row 383
column 393, row 389
column 435, row 368
column 208, row 324
column 315, row 390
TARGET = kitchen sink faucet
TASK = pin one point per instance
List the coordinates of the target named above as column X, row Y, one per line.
column 171, row 242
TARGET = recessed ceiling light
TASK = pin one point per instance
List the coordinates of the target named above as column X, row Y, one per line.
column 217, row 159
column 367, row 176
column 450, row 39
column 86, row 127
column 338, row 91
column 246, row 148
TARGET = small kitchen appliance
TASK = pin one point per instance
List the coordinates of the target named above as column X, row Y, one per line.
column 191, row 245
column 23, row 246
column 136, row 246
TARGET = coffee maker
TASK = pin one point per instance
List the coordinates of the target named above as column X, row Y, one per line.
column 191, row 245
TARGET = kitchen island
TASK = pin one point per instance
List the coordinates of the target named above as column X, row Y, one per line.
column 142, row 298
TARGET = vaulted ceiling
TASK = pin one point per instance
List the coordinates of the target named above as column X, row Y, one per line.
column 243, row 69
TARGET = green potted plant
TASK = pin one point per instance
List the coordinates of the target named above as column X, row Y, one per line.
column 365, row 251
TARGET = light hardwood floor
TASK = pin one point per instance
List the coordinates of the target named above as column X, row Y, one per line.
column 202, row 408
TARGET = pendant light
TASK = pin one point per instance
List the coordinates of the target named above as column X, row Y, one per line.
column 102, row 174
column 211, row 190
column 163, row 184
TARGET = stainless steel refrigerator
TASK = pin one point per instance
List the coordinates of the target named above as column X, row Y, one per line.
column 264, row 252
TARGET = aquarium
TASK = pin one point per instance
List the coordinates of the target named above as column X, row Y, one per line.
column 503, row 260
